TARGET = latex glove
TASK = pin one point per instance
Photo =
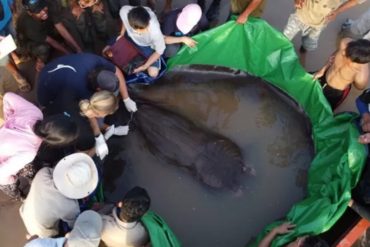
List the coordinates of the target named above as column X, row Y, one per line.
column 118, row 131
column 130, row 105
column 101, row 147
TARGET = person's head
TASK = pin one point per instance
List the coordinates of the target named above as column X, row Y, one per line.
column 87, row 3
column 76, row 176
column 86, row 230
column 100, row 104
column 134, row 204
column 57, row 130
column 102, row 79
column 189, row 18
column 139, row 18
column 358, row 51
column 38, row 9
column 308, row 241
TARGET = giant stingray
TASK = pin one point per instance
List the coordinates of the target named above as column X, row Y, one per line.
column 212, row 158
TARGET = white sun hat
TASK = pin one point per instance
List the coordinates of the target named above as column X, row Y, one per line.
column 76, row 176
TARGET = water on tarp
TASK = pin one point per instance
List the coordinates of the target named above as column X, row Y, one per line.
column 274, row 137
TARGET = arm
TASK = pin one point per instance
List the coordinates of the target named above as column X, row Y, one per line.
column 362, row 78
column 122, row 32
column 70, row 216
column 243, row 17
column 95, row 126
column 342, row 8
column 298, row 3
column 122, row 83
column 322, row 71
column 56, row 45
column 184, row 39
column 154, row 57
column 67, row 36
column 282, row 229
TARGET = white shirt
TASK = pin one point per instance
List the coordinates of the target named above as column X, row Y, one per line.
column 153, row 37
column 117, row 233
column 45, row 206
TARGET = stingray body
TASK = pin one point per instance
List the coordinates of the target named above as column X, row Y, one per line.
column 212, row 158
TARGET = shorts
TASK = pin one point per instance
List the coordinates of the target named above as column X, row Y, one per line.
column 310, row 35
column 334, row 96
column 147, row 51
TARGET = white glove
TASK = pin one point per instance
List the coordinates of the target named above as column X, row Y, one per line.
column 130, row 105
column 118, row 131
column 101, row 147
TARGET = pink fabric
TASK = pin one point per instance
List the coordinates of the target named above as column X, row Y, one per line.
column 18, row 142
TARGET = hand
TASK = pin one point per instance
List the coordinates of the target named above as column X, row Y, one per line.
column 98, row 8
column 317, row 75
column 188, row 41
column 77, row 11
column 130, row 105
column 101, row 147
column 242, row 19
column 118, row 131
column 39, row 65
column 298, row 3
column 284, row 228
column 331, row 17
column 139, row 69
column 364, row 139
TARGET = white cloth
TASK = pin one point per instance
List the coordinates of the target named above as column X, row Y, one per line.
column 117, row 233
column 46, row 242
column 153, row 38
column 45, row 206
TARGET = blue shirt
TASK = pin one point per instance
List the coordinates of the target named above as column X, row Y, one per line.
column 69, row 72
column 7, row 13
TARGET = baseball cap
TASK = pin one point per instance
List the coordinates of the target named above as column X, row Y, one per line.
column 107, row 80
column 34, row 6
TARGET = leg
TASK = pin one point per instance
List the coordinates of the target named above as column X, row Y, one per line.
column 202, row 4
column 309, row 43
column 23, row 85
column 41, row 52
column 213, row 11
column 293, row 26
column 153, row 71
column 167, row 6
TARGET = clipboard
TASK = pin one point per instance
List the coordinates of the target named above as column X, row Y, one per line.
column 7, row 45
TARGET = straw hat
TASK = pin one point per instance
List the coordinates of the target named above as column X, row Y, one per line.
column 76, row 176
column 189, row 17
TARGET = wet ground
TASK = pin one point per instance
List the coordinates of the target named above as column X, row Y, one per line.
column 272, row 135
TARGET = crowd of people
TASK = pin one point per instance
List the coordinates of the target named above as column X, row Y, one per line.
column 85, row 53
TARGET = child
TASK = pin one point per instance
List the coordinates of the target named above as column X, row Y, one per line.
column 143, row 29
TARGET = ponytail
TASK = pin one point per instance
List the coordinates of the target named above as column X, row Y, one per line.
column 56, row 130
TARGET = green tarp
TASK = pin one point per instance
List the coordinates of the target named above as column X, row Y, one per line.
column 262, row 51
column 160, row 234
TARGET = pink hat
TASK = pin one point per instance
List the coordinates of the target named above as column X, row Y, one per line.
column 189, row 17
